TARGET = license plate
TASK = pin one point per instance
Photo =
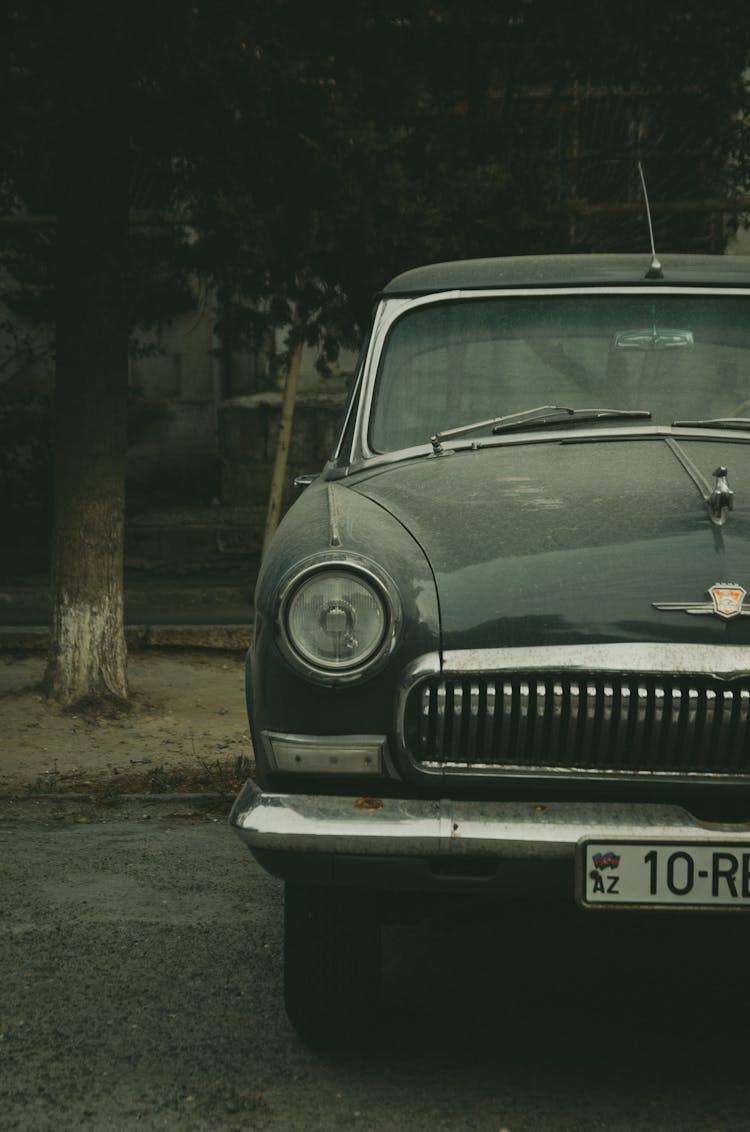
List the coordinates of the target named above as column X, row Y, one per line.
column 663, row 874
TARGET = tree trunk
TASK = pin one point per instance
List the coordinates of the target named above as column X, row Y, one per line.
column 87, row 659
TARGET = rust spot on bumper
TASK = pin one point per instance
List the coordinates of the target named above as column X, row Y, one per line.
column 370, row 805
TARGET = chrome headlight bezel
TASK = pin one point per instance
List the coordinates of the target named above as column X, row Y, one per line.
column 368, row 574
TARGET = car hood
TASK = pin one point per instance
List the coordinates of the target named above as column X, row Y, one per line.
column 574, row 542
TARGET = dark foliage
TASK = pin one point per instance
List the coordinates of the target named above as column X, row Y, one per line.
column 314, row 150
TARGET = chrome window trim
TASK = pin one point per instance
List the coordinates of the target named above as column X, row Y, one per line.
column 391, row 309
column 352, row 402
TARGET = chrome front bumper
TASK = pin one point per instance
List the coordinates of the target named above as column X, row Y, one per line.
column 401, row 827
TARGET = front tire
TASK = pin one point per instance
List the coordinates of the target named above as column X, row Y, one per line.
column 331, row 962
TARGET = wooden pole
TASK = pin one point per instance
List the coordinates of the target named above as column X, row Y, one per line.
column 282, row 448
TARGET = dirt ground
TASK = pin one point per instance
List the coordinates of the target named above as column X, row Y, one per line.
column 186, row 729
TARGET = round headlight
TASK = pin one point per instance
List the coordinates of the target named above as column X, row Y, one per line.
column 337, row 620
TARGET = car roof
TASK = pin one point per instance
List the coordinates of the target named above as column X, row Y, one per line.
column 572, row 271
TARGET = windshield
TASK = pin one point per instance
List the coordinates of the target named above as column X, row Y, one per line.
column 452, row 362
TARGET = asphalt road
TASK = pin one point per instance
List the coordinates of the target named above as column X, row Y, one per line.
column 140, row 989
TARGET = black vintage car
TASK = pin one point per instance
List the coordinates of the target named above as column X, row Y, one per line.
column 501, row 641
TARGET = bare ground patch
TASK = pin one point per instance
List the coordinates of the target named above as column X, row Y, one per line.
column 186, row 729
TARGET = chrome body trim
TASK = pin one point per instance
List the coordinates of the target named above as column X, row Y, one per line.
column 697, row 609
column 334, row 532
column 627, row 712
column 724, row 661
column 305, row 823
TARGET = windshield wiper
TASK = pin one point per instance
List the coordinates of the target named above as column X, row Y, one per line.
column 493, row 423
column 575, row 414
column 742, row 423
column 531, row 418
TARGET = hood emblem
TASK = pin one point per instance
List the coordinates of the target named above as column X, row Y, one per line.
column 726, row 601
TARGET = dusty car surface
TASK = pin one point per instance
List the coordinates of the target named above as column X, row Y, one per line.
column 501, row 641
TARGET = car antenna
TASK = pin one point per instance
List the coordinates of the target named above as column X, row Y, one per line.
column 654, row 271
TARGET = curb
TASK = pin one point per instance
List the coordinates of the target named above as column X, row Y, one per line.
column 226, row 638
column 154, row 799
column 88, row 809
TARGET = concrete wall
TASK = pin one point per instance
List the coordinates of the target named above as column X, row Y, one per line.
column 248, row 431
column 179, row 380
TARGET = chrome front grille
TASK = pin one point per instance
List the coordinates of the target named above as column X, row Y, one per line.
column 595, row 722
